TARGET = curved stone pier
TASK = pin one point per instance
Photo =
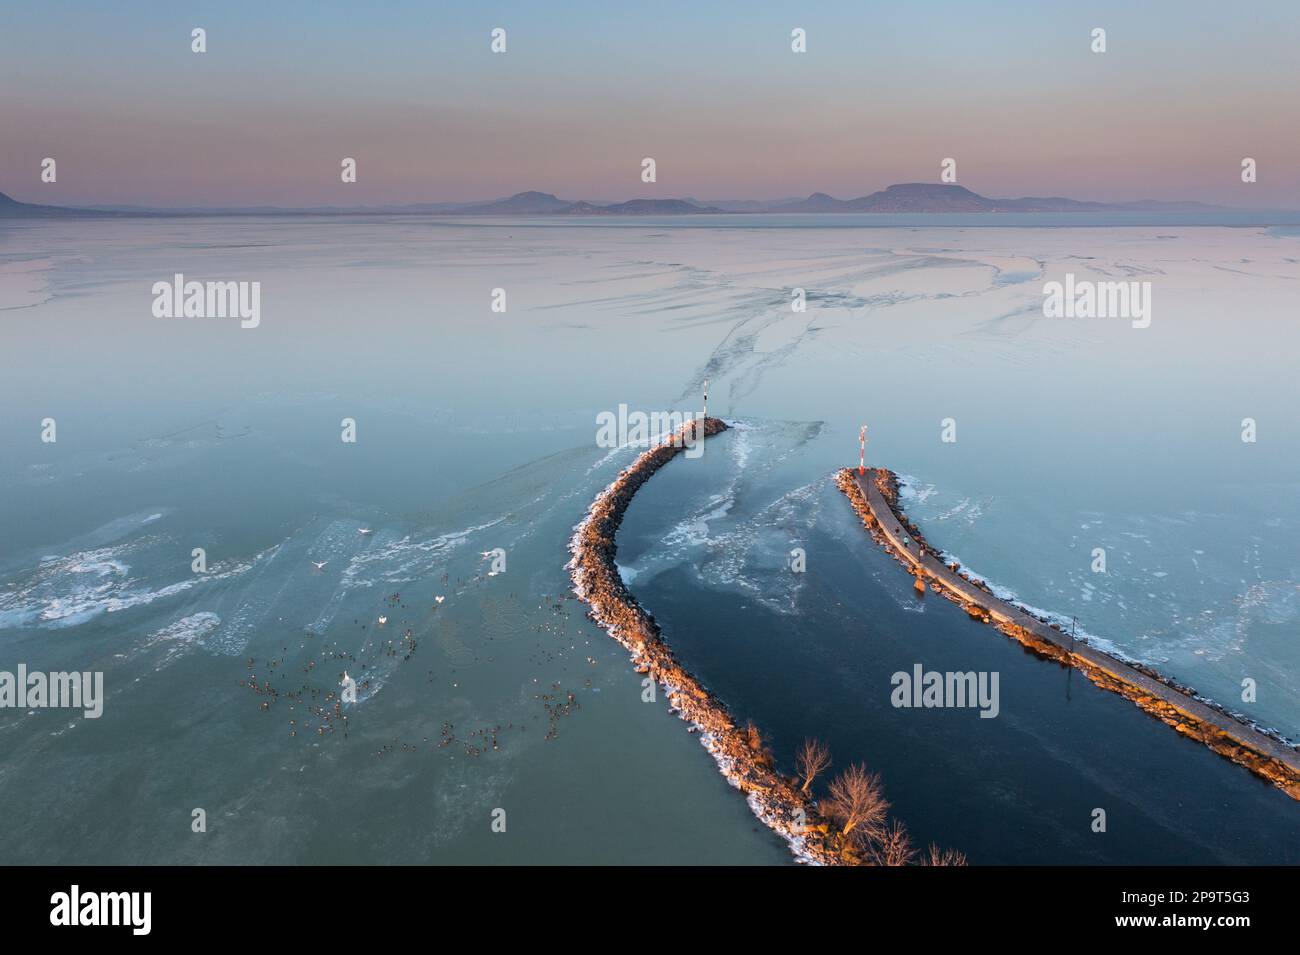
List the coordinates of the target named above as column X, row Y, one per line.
column 773, row 798
column 874, row 495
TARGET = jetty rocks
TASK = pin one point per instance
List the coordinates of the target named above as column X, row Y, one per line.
column 874, row 496
column 775, row 799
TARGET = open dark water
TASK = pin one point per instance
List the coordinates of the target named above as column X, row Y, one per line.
column 815, row 659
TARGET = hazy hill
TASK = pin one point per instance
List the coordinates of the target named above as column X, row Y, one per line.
column 914, row 197
column 520, row 204
column 13, row 209
column 641, row 207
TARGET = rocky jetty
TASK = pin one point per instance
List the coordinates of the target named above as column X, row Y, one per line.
column 774, row 799
column 1264, row 752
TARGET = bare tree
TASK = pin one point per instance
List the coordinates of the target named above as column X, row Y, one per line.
column 856, row 802
column 894, row 846
column 814, row 756
column 939, row 856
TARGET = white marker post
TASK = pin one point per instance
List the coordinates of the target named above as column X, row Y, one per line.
column 699, row 426
column 862, row 450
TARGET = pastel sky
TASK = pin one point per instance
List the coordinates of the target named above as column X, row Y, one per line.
column 712, row 91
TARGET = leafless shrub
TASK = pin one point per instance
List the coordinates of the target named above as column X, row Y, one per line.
column 937, row 856
column 894, row 846
column 814, row 756
column 754, row 740
column 857, row 803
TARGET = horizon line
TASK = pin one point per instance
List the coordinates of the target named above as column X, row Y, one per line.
column 443, row 205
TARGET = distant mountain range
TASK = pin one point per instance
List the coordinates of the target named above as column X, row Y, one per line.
column 914, row 197
column 545, row 204
column 909, row 197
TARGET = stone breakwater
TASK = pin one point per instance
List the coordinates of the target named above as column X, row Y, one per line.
column 773, row 798
column 874, row 496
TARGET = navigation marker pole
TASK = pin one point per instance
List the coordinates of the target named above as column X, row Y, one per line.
column 698, row 426
column 862, row 450
column 1069, row 671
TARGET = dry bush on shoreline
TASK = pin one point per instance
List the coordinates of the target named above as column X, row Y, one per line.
column 894, row 847
column 937, row 856
column 856, row 802
column 813, row 757
column 754, row 740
